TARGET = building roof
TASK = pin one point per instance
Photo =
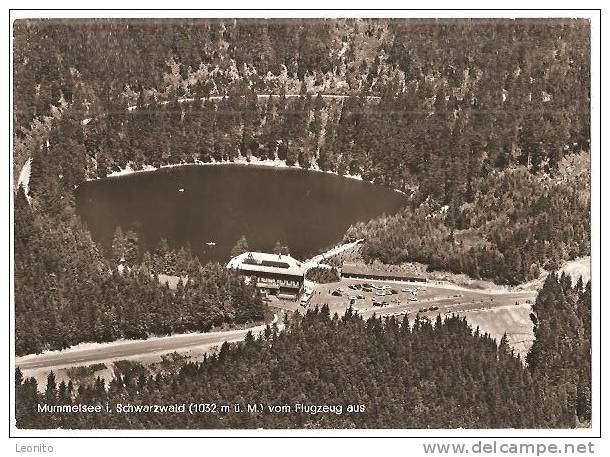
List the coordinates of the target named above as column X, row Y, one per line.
column 372, row 270
column 267, row 263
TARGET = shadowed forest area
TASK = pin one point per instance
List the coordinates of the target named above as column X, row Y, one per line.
column 483, row 124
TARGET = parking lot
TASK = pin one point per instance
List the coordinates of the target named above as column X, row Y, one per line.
column 393, row 297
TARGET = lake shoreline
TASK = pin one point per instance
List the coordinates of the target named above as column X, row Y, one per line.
column 242, row 161
column 212, row 205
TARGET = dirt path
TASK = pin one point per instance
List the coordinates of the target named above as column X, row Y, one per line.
column 259, row 96
column 314, row 261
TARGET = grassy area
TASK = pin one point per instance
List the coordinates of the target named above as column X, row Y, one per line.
column 514, row 320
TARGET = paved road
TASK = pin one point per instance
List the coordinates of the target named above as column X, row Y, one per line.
column 124, row 349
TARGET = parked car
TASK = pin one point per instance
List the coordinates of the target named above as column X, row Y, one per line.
column 423, row 310
column 360, row 297
column 433, row 308
column 337, row 293
column 393, row 291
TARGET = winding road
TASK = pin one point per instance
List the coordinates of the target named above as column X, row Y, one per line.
column 88, row 354
column 101, row 352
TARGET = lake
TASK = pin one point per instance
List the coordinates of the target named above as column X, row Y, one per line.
column 211, row 207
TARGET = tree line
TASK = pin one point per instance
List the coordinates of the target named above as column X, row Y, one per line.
column 517, row 224
column 68, row 292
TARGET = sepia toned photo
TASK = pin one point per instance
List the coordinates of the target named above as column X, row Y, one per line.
column 290, row 223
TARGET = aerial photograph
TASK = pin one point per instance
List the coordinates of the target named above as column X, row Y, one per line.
column 301, row 223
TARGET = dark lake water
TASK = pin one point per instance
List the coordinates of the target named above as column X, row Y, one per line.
column 306, row 211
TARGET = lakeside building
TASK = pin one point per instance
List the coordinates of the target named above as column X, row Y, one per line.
column 363, row 271
column 275, row 274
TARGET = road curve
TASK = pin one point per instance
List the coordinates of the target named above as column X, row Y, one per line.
column 124, row 349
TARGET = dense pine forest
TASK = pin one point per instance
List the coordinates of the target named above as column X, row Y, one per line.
column 483, row 124
column 67, row 292
column 517, row 224
column 405, row 374
column 413, row 105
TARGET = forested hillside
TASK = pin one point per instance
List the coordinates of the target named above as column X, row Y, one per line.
column 406, row 375
column 483, row 123
column 66, row 292
column 561, row 353
column 516, row 224
column 423, row 109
